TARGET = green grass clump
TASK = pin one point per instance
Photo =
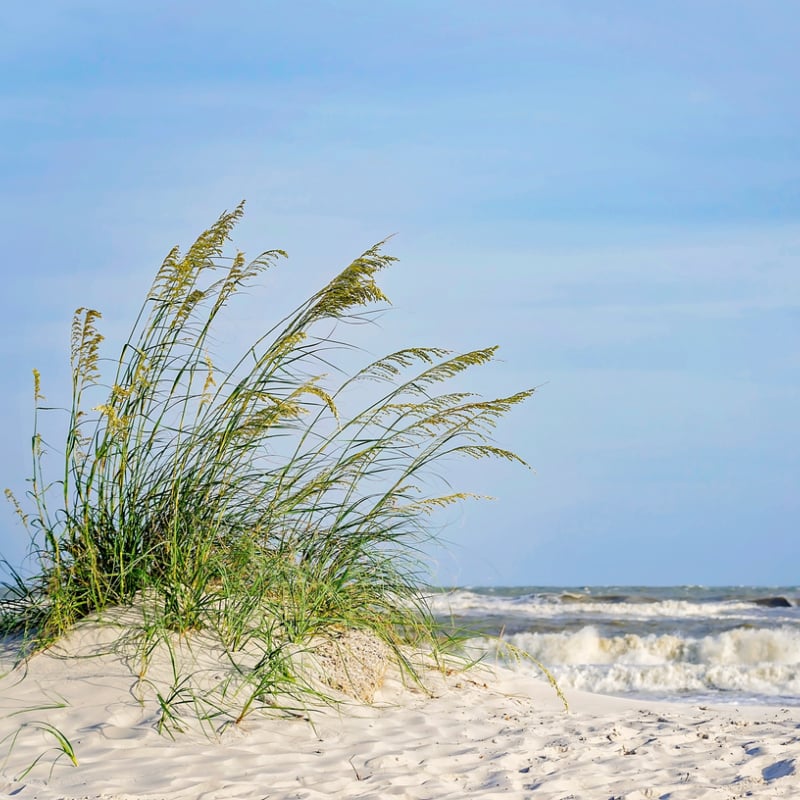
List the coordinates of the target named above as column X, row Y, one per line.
column 244, row 501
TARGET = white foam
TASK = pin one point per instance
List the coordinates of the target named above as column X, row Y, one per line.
column 466, row 603
column 759, row 646
column 752, row 661
column 674, row 680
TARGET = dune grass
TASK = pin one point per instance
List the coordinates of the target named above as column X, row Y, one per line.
column 247, row 500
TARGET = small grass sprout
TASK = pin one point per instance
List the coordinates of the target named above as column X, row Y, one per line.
column 62, row 746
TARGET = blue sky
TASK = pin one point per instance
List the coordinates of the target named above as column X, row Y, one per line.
column 610, row 191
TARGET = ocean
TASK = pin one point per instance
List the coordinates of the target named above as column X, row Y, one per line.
column 731, row 645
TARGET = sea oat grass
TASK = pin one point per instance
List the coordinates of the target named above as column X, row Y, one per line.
column 243, row 501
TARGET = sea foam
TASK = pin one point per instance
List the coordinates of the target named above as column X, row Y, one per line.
column 730, row 644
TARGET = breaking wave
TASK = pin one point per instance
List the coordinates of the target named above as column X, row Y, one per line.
column 762, row 663
column 721, row 644
column 467, row 603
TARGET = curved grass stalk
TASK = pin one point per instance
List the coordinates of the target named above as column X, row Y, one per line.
column 63, row 746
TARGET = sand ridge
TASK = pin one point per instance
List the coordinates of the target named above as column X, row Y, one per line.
column 484, row 734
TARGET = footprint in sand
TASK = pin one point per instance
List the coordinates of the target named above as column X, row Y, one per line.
column 780, row 769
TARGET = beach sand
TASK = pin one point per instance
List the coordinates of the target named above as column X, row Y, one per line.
column 485, row 733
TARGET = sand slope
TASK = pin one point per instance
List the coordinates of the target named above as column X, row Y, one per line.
column 480, row 735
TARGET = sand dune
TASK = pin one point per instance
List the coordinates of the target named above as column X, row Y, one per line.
column 483, row 734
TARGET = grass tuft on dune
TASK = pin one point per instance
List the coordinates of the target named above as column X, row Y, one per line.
column 247, row 502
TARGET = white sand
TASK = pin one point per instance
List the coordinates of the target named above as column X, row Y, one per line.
column 480, row 735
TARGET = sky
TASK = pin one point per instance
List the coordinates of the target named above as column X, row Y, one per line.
column 609, row 191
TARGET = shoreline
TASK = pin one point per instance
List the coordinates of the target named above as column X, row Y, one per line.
column 703, row 645
column 486, row 733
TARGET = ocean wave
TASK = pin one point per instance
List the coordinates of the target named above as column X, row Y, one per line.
column 742, row 646
column 764, row 662
column 672, row 681
column 549, row 606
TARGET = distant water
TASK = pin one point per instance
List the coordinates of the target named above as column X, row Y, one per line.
column 737, row 645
